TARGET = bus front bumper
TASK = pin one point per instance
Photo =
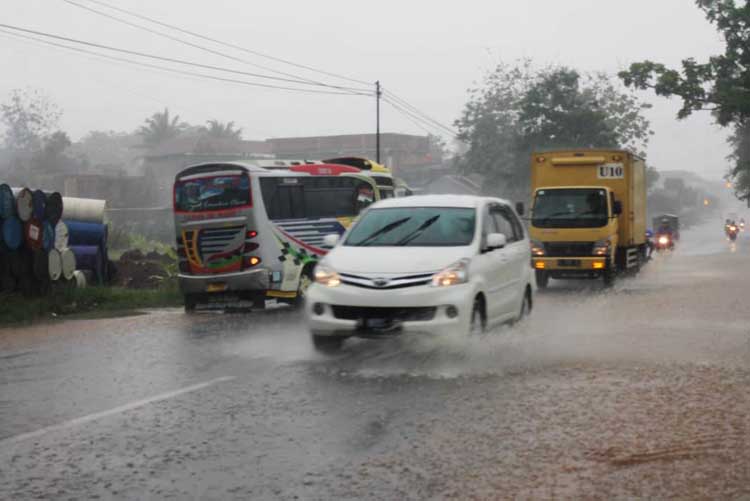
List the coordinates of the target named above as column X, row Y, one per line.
column 250, row 281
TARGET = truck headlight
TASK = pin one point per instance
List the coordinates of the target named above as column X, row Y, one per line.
column 457, row 273
column 326, row 276
column 601, row 247
column 537, row 248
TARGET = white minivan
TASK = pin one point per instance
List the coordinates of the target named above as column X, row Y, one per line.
column 437, row 264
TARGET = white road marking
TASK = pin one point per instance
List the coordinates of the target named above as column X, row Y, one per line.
column 111, row 412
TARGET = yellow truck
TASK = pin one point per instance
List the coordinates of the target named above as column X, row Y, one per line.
column 588, row 214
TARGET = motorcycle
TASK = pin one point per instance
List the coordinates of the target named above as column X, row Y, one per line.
column 732, row 232
column 664, row 241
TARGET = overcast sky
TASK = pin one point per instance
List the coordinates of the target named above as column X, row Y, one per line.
column 427, row 52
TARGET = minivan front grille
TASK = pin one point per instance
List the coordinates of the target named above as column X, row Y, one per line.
column 408, row 314
column 568, row 249
column 386, row 282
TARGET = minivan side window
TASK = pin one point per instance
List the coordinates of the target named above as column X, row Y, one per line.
column 517, row 226
column 503, row 224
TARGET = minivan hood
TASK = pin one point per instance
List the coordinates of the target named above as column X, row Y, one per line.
column 396, row 260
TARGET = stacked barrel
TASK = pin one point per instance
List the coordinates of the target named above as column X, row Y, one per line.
column 46, row 238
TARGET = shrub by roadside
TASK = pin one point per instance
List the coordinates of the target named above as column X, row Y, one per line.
column 15, row 309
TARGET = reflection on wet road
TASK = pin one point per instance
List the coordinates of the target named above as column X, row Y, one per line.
column 639, row 391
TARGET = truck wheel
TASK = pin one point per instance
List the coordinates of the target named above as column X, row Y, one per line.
column 542, row 279
column 327, row 344
column 609, row 275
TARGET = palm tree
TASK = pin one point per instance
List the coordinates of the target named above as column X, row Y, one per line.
column 160, row 127
column 222, row 130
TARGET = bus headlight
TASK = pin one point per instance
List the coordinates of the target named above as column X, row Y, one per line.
column 326, row 276
column 457, row 273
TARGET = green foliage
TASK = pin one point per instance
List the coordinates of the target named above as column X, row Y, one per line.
column 71, row 301
column 160, row 127
column 652, row 177
column 519, row 109
column 720, row 85
column 221, row 130
column 28, row 117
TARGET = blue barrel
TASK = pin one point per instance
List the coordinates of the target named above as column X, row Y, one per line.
column 12, row 233
column 38, row 205
column 89, row 258
column 48, row 236
column 7, row 202
column 80, row 233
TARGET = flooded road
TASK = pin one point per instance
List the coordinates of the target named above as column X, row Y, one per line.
column 635, row 392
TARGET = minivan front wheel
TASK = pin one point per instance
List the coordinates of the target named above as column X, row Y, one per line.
column 478, row 319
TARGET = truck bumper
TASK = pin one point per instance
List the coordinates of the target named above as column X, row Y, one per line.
column 570, row 266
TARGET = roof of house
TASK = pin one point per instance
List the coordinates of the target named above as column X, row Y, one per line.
column 199, row 145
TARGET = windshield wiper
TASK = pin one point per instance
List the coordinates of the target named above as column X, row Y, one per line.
column 414, row 234
column 555, row 214
column 385, row 229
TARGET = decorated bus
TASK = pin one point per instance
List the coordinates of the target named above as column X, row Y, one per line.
column 245, row 233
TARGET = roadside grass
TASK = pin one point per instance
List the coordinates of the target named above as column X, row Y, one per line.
column 90, row 301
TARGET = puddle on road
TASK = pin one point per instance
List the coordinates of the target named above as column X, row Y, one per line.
column 649, row 319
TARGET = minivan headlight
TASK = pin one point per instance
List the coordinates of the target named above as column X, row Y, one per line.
column 326, row 276
column 457, row 273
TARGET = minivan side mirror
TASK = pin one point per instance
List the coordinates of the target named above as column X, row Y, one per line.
column 496, row 241
column 331, row 240
column 617, row 208
column 519, row 208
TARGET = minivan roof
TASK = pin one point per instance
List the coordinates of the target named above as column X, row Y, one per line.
column 466, row 201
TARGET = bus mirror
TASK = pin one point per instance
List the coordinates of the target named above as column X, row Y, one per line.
column 331, row 240
column 617, row 208
column 519, row 208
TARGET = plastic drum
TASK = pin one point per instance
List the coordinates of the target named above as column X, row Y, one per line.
column 24, row 205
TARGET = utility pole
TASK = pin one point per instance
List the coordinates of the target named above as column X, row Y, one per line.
column 378, row 93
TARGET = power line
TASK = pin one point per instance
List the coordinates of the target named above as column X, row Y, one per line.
column 201, row 47
column 227, row 44
column 417, row 111
column 173, row 70
column 156, row 57
column 417, row 120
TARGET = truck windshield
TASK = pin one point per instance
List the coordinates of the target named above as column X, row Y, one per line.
column 212, row 193
column 414, row 227
column 570, row 208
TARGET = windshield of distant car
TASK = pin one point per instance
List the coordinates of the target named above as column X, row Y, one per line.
column 414, row 227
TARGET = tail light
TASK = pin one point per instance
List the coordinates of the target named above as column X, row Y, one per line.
column 252, row 261
column 252, row 234
column 249, row 247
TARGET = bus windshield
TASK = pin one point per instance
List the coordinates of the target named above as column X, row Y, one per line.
column 212, row 193
column 314, row 197
column 570, row 208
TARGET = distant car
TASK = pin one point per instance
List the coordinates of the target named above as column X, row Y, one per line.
column 429, row 264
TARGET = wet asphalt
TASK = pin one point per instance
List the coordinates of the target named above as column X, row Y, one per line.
column 635, row 392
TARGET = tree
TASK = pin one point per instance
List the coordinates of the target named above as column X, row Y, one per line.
column 520, row 110
column 51, row 155
column 108, row 148
column 221, row 130
column 652, row 177
column 160, row 127
column 28, row 116
column 720, row 85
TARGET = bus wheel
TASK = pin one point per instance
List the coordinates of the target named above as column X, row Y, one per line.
column 190, row 303
column 305, row 281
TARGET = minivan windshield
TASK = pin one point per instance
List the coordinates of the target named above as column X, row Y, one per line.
column 570, row 208
column 414, row 227
column 212, row 193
